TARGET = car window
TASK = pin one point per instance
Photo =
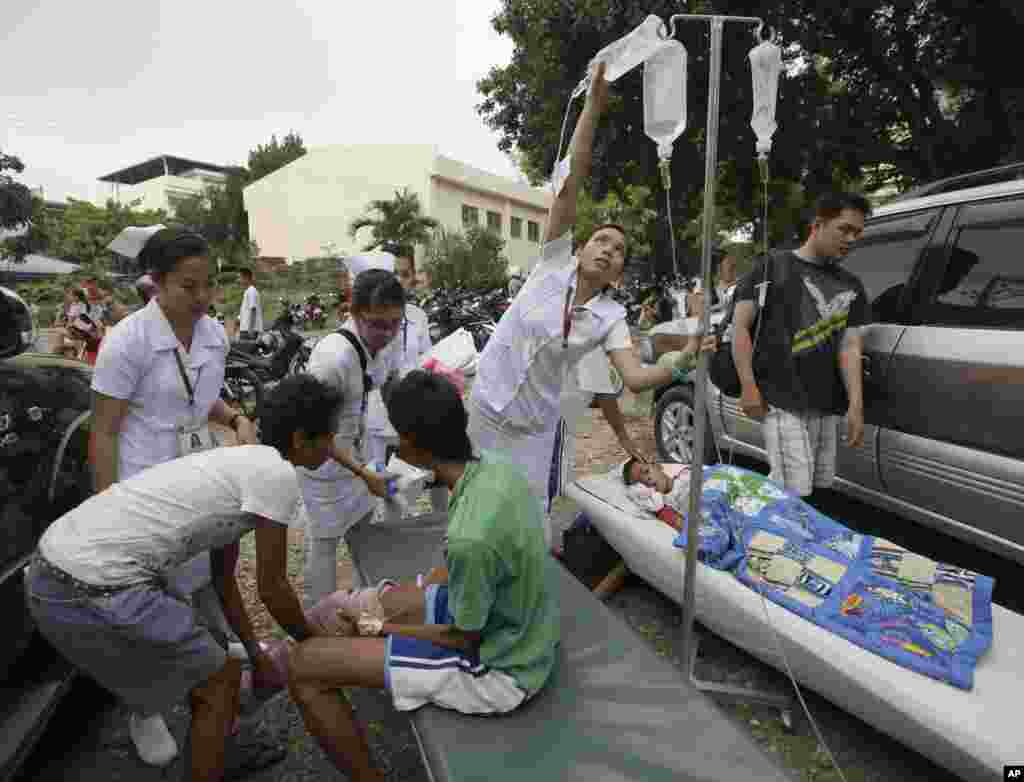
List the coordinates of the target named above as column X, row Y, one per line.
column 983, row 282
column 885, row 257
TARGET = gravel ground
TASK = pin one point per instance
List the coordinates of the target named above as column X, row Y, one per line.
column 104, row 751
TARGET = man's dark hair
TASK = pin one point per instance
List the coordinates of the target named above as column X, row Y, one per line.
column 428, row 407
column 626, row 470
column 245, row 271
column 829, row 205
column 376, row 288
column 168, row 246
column 299, row 403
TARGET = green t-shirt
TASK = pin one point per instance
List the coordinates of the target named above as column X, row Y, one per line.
column 498, row 581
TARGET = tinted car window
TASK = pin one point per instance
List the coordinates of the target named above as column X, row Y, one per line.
column 885, row 258
column 983, row 282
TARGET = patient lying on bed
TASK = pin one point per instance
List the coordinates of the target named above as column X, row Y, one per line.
column 662, row 489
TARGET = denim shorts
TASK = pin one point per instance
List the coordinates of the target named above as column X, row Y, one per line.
column 143, row 644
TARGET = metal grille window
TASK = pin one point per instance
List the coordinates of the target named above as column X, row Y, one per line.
column 494, row 222
column 533, row 231
column 516, row 228
column 470, row 215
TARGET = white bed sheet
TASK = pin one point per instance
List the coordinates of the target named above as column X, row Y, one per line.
column 973, row 734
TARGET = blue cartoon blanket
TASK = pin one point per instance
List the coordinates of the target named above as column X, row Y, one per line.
column 933, row 618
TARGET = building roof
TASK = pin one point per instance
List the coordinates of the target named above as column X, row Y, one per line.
column 159, row 166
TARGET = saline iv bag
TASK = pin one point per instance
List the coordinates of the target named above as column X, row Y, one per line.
column 627, row 52
column 665, row 96
column 665, row 116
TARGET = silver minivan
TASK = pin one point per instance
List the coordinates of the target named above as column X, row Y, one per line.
column 944, row 366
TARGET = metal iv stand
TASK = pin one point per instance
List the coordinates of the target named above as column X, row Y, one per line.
column 690, row 638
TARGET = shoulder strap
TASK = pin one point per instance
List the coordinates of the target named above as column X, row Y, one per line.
column 363, row 360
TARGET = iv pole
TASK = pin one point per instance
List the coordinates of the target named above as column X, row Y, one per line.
column 690, row 640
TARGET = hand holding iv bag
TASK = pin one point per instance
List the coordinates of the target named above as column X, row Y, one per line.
column 627, row 52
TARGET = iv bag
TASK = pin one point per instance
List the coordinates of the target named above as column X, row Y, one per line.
column 627, row 52
column 665, row 96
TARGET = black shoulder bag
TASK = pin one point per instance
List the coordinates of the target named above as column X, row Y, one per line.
column 722, row 367
column 363, row 362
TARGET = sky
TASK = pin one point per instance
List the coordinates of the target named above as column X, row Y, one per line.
column 90, row 88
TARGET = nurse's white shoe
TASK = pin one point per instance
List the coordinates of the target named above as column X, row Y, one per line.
column 153, row 741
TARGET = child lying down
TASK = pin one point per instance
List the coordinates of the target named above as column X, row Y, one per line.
column 661, row 489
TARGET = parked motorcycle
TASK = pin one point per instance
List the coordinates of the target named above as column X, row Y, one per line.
column 449, row 310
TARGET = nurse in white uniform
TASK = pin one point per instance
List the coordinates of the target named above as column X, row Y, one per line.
column 414, row 346
column 156, row 388
column 561, row 314
column 335, row 498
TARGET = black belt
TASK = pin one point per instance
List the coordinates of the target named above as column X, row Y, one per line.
column 78, row 586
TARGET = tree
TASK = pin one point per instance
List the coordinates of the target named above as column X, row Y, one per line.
column 17, row 207
column 81, row 232
column 267, row 158
column 218, row 214
column 398, row 220
column 894, row 92
column 472, row 260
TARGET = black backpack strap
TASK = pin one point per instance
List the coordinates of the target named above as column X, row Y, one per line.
column 363, row 361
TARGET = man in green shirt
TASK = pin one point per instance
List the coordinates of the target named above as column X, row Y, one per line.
column 479, row 635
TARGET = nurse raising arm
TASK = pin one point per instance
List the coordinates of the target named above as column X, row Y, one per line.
column 562, row 216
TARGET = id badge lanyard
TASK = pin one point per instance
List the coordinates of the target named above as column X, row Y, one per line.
column 188, row 385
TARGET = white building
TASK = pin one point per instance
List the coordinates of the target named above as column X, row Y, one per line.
column 298, row 209
column 162, row 182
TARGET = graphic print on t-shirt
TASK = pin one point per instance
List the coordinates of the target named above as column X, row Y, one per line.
column 827, row 313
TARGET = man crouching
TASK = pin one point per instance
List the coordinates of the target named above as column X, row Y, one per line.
column 480, row 635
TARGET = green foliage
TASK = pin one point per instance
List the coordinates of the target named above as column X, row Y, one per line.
column 631, row 210
column 472, row 260
column 400, row 220
column 15, row 198
column 81, row 232
column 17, row 207
column 218, row 213
column 267, row 158
column 886, row 93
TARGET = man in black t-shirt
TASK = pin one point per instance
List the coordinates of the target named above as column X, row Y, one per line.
column 807, row 371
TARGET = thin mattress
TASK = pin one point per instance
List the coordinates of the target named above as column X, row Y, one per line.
column 972, row 733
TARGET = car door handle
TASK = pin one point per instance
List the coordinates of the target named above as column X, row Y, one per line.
column 866, row 366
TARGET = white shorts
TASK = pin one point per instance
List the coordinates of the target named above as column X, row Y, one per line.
column 419, row 672
column 802, row 449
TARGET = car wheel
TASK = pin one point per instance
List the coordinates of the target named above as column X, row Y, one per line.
column 675, row 428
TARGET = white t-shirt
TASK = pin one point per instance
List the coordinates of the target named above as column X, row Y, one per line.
column 144, row 527
column 335, row 498
column 248, row 319
column 136, row 362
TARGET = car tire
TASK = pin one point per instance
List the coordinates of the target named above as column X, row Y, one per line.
column 674, row 427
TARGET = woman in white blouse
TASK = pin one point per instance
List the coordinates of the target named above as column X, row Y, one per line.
column 560, row 314
column 337, row 496
column 156, row 388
